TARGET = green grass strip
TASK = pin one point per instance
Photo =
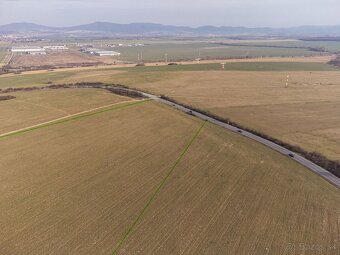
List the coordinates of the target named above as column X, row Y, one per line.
column 73, row 118
column 154, row 195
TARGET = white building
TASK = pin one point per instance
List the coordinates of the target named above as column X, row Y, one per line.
column 106, row 53
column 55, row 47
column 28, row 50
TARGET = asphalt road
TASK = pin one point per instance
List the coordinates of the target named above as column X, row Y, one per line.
column 305, row 162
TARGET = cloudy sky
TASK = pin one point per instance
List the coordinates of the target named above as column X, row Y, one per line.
column 253, row 13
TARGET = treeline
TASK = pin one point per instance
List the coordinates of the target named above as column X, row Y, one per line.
column 3, row 98
column 9, row 69
column 335, row 62
column 113, row 88
column 332, row 166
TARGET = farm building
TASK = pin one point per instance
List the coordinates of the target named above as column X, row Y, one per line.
column 55, row 47
column 29, row 50
column 99, row 52
column 106, row 53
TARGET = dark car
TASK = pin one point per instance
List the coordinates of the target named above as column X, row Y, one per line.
column 240, row 131
column 291, row 155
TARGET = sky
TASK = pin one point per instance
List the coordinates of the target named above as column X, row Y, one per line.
column 250, row 13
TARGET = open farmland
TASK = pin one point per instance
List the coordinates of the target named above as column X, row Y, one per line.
column 176, row 50
column 230, row 196
column 63, row 58
column 330, row 46
column 305, row 113
column 3, row 55
column 148, row 179
column 34, row 107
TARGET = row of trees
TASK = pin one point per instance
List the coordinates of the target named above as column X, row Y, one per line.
column 336, row 61
column 113, row 88
column 3, row 98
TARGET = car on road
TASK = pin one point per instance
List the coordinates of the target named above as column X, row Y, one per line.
column 291, row 155
column 190, row 113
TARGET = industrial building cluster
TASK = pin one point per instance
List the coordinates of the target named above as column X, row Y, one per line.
column 37, row 50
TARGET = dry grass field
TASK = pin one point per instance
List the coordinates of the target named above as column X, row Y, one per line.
column 62, row 58
column 79, row 187
column 34, row 107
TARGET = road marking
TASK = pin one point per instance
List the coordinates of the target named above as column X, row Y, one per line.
column 75, row 116
column 160, row 186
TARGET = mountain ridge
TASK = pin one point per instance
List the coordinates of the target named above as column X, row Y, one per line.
column 154, row 28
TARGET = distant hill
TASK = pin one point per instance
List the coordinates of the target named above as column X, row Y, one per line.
column 23, row 27
column 145, row 29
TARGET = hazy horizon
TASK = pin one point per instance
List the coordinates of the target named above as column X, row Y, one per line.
column 256, row 13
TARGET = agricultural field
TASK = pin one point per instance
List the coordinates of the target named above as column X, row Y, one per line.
column 178, row 50
column 192, row 50
column 305, row 114
column 62, row 58
column 3, row 53
column 34, row 107
column 144, row 178
column 133, row 75
column 331, row 46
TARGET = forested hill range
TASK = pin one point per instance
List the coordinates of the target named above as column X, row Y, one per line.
column 150, row 29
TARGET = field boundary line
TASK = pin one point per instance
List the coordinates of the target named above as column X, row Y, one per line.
column 157, row 191
column 75, row 116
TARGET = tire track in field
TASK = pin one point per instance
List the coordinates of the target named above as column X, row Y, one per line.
column 73, row 117
column 45, row 106
column 157, row 191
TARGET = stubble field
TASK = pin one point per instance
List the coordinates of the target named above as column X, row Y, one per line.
column 148, row 179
